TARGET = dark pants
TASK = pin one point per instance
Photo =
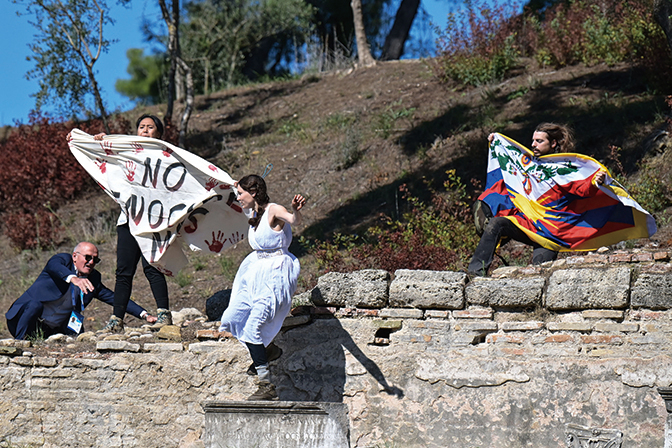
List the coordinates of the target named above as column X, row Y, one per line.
column 258, row 354
column 496, row 229
column 128, row 255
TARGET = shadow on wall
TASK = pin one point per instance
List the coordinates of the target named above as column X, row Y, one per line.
column 314, row 368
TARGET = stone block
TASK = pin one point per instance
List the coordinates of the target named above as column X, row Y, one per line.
column 473, row 313
column 11, row 351
column 652, row 291
column 603, row 314
column 437, row 314
column 407, row 313
column 608, row 327
column 476, row 326
column 588, row 288
column 505, row 292
column 428, row 289
column 570, row 326
column 276, row 425
column 170, row 332
column 117, row 346
column 521, row 326
column 164, row 347
column 366, row 289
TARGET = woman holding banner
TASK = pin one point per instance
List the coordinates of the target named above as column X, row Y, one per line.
column 547, row 139
column 129, row 253
column 262, row 291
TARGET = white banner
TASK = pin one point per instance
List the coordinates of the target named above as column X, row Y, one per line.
column 167, row 193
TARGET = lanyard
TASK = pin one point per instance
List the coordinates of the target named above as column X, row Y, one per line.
column 81, row 298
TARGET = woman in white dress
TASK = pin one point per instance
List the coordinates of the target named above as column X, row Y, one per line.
column 262, row 291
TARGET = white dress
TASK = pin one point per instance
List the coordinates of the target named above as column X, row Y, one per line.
column 262, row 291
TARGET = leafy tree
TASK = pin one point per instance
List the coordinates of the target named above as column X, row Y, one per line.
column 145, row 82
column 222, row 37
column 68, row 41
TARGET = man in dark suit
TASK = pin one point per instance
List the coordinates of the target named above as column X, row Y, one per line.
column 55, row 302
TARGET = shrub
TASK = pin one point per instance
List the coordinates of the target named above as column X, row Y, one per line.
column 39, row 174
column 435, row 236
column 578, row 31
column 478, row 44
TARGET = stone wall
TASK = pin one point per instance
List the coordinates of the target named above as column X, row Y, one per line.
column 422, row 359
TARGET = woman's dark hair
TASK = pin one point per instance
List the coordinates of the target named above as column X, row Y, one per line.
column 563, row 136
column 157, row 122
column 256, row 186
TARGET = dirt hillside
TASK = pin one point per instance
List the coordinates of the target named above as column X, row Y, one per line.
column 347, row 140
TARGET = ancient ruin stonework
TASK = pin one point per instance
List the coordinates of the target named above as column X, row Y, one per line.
column 530, row 353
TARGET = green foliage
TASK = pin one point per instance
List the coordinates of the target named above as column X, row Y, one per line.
column 650, row 191
column 183, row 278
column 438, row 235
column 350, row 151
column 228, row 267
column 483, row 43
column 478, row 44
column 386, row 120
column 68, row 41
column 145, row 82
column 218, row 38
column 579, row 31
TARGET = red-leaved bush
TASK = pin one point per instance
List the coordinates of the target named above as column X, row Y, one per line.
column 38, row 175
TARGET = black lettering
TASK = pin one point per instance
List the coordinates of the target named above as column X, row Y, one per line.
column 150, row 214
column 131, row 208
column 148, row 172
column 159, row 244
column 179, row 182
column 192, row 219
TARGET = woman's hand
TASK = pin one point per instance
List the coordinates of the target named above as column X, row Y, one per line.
column 491, row 137
column 99, row 136
column 298, row 202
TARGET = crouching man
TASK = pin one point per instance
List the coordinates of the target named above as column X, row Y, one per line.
column 55, row 302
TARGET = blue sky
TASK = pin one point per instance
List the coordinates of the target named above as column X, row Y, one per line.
column 17, row 33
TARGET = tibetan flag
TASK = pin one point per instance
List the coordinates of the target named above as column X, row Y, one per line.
column 554, row 200
column 167, row 195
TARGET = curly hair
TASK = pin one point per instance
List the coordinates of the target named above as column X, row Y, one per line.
column 563, row 136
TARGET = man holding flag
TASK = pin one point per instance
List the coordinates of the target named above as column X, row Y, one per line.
column 553, row 202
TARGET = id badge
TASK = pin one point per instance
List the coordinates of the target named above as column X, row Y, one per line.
column 75, row 322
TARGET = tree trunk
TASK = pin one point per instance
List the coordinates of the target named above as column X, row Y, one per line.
column 189, row 106
column 396, row 39
column 662, row 10
column 363, row 51
column 172, row 20
column 99, row 98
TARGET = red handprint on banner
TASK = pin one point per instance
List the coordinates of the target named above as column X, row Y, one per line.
column 211, row 183
column 212, row 168
column 164, row 271
column 130, row 170
column 137, row 147
column 217, row 242
column 167, row 151
column 107, row 147
column 102, row 165
column 224, row 186
column 236, row 238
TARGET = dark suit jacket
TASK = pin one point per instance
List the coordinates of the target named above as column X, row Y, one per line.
column 51, row 285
